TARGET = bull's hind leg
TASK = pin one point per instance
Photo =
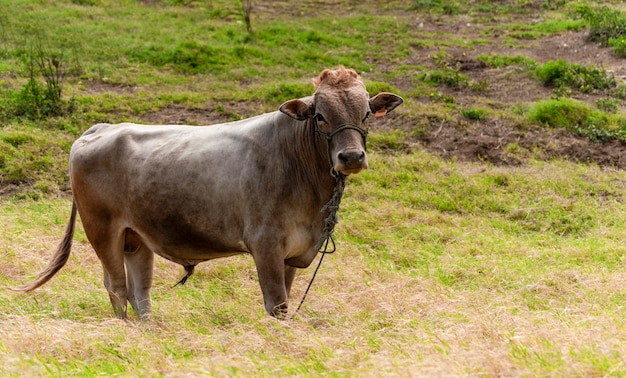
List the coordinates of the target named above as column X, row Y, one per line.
column 117, row 295
column 139, row 262
column 139, row 268
column 108, row 242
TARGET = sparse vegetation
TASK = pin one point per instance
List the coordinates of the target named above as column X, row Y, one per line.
column 35, row 100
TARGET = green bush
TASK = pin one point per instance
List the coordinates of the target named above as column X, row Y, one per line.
column 41, row 96
column 561, row 74
column 474, row 114
column 578, row 117
column 604, row 23
column 448, row 76
column 619, row 46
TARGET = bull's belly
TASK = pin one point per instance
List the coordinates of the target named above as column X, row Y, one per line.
column 186, row 258
column 187, row 249
column 297, row 242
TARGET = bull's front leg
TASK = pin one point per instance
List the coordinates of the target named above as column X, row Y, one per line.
column 271, row 270
column 290, row 274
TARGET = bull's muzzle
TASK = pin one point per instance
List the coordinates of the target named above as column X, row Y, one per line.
column 347, row 161
column 350, row 161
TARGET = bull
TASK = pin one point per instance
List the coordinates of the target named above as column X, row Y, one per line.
column 192, row 194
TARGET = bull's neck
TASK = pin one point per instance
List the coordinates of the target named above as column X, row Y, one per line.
column 313, row 172
column 309, row 152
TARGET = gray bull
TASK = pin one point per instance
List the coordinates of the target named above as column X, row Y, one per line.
column 192, row 194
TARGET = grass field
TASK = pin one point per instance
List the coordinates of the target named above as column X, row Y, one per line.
column 445, row 267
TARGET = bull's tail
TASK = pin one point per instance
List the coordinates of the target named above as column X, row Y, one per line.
column 58, row 260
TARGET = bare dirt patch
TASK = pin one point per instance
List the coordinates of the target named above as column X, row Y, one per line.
column 506, row 142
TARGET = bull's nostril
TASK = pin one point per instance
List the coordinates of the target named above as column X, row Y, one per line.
column 351, row 157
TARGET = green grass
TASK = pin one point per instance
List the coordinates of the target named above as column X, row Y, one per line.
column 537, row 30
column 500, row 61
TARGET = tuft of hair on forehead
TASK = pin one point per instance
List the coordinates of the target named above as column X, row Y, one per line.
column 341, row 78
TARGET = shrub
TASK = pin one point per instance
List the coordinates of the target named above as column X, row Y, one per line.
column 605, row 23
column 41, row 96
column 619, row 46
column 474, row 114
column 578, row 117
column 561, row 74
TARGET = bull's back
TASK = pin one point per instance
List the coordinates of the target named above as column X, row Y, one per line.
column 135, row 159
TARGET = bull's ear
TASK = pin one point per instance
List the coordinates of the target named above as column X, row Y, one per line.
column 297, row 109
column 384, row 102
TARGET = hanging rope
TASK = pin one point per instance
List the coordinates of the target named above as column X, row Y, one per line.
column 326, row 239
column 330, row 222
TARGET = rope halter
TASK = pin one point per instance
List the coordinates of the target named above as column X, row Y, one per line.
column 329, row 136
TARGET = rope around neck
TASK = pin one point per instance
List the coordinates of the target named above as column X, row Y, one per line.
column 329, row 226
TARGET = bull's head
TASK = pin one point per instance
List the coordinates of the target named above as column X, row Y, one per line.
column 339, row 109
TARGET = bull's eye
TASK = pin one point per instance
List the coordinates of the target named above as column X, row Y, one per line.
column 319, row 118
column 366, row 116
